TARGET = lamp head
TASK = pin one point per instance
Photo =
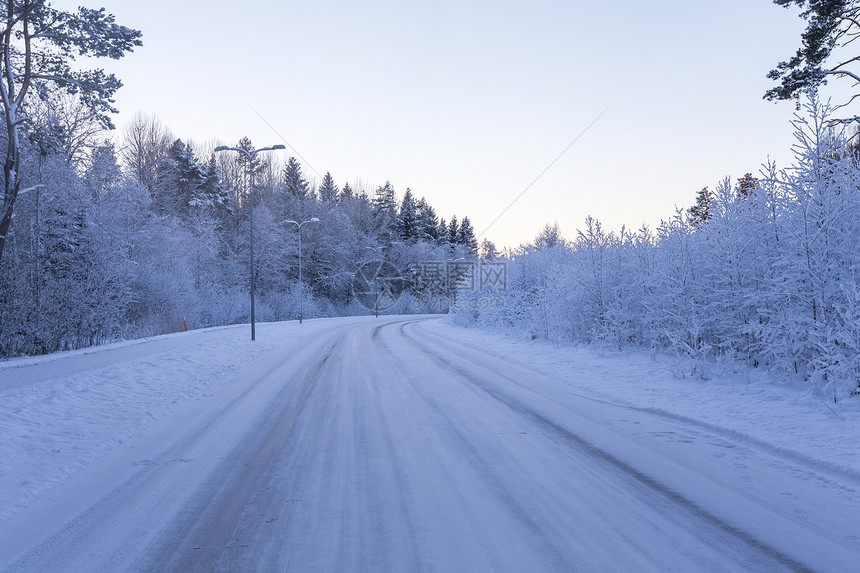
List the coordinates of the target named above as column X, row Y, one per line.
column 221, row 148
column 314, row 220
column 279, row 146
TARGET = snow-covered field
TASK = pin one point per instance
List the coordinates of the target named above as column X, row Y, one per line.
column 407, row 443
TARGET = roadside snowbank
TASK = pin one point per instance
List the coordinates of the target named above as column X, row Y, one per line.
column 750, row 404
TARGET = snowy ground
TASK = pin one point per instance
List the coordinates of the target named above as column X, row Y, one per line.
column 406, row 444
column 749, row 403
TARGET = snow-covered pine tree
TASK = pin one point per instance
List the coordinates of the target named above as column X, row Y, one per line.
column 179, row 176
column 295, row 182
column 211, row 194
column 327, row 191
column 407, row 218
column 428, row 222
column 384, row 209
column 466, row 236
column 103, row 173
column 488, row 250
column 452, row 233
column 549, row 237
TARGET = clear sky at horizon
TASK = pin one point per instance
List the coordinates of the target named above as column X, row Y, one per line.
column 467, row 102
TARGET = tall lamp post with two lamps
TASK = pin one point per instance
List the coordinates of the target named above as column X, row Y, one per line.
column 250, row 156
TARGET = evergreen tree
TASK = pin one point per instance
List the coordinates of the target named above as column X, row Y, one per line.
column 549, row 237
column 328, row 190
column 466, row 236
column 384, row 209
column 453, row 231
column 746, row 186
column 831, row 24
column 296, row 184
column 346, row 193
column 103, row 173
column 407, row 218
column 428, row 222
column 210, row 193
column 701, row 211
column 233, row 171
column 179, row 176
column 189, row 174
column 488, row 250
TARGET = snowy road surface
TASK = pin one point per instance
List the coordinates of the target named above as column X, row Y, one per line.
column 388, row 445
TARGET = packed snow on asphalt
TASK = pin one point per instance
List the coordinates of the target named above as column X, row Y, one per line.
column 408, row 444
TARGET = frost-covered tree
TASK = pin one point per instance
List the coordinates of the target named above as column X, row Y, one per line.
column 549, row 237
column 488, row 250
column 146, row 142
column 37, row 46
column 103, row 173
column 76, row 126
column 99, row 254
column 770, row 281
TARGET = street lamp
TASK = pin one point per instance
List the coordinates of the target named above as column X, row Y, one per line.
column 301, row 294
column 378, row 249
column 250, row 156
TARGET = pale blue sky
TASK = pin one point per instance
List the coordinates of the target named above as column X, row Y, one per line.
column 467, row 102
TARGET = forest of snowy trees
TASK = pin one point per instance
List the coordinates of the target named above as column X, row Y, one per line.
column 764, row 272
column 151, row 235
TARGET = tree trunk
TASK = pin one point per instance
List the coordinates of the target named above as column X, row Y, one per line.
column 11, row 183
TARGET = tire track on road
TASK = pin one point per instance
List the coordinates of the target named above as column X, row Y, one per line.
column 569, row 436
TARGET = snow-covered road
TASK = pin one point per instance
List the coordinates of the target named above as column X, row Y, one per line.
column 391, row 445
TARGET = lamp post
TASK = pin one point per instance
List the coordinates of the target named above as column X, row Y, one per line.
column 250, row 156
column 378, row 249
column 37, row 294
column 301, row 294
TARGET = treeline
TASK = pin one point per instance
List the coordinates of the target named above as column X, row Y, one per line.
column 151, row 235
column 763, row 272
